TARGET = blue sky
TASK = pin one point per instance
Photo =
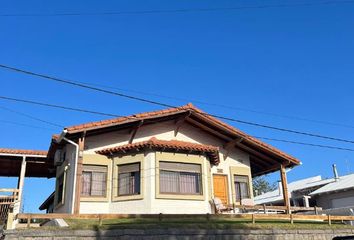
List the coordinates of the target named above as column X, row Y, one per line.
column 293, row 61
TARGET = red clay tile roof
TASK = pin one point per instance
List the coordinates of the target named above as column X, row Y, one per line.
column 135, row 117
column 24, row 152
column 153, row 143
column 245, row 136
column 196, row 112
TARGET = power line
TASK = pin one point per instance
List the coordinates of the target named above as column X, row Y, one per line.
column 77, row 84
column 25, row 125
column 183, row 10
column 31, row 117
column 72, row 83
column 58, row 106
column 265, row 138
column 219, row 105
column 306, row 144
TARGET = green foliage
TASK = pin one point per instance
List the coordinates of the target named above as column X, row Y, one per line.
column 261, row 185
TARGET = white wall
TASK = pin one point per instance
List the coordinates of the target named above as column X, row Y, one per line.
column 69, row 182
column 335, row 200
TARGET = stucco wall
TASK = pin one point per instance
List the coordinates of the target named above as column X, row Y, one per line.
column 68, row 164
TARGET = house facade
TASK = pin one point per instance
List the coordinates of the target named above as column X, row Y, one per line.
column 171, row 161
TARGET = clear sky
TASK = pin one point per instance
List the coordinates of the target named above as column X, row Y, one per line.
column 294, row 61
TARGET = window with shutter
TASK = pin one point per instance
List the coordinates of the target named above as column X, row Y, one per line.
column 180, row 178
column 94, row 181
column 129, row 179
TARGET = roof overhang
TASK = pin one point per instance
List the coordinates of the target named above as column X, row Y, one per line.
column 264, row 158
column 211, row 152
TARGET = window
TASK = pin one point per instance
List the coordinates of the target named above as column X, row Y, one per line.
column 94, row 181
column 60, row 192
column 180, row 178
column 129, row 179
column 241, row 187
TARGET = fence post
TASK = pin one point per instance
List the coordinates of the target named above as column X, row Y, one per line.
column 264, row 209
column 29, row 221
column 329, row 220
column 291, row 218
column 316, row 210
column 160, row 217
column 253, row 218
column 99, row 220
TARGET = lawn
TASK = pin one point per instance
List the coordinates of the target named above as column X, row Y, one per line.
column 226, row 223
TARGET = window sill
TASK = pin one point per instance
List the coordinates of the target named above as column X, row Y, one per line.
column 128, row 198
column 93, row 199
column 180, row 197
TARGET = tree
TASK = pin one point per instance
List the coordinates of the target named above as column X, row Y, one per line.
column 261, row 185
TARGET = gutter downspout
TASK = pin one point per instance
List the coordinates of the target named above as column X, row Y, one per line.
column 62, row 137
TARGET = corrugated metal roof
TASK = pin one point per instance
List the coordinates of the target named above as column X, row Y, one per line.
column 344, row 182
column 277, row 195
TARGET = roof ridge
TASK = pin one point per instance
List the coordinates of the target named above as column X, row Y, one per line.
column 133, row 116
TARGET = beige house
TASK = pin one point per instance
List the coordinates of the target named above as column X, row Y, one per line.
column 170, row 161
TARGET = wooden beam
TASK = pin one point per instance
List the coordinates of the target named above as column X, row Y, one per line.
column 179, row 122
column 257, row 153
column 228, row 146
column 79, row 174
column 135, row 130
column 258, row 162
column 284, row 184
column 209, row 130
column 273, row 168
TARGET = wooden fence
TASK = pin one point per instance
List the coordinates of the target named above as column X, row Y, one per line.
column 290, row 218
column 7, row 201
column 265, row 208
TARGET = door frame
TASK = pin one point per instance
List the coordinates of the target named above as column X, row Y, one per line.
column 227, row 185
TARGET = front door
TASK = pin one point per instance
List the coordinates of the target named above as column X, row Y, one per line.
column 220, row 187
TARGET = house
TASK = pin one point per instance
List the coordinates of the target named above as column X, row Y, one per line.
column 298, row 192
column 339, row 193
column 170, row 161
column 336, row 192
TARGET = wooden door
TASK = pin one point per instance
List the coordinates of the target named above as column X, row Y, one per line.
column 220, row 187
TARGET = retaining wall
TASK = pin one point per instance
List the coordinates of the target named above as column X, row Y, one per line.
column 238, row 234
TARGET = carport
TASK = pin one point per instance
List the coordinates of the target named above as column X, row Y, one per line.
column 20, row 163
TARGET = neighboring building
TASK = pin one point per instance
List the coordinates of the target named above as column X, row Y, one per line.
column 170, row 161
column 298, row 192
column 337, row 194
column 330, row 193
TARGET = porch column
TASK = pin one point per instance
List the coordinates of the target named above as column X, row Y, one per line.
column 284, row 184
column 11, row 223
column 20, row 184
column 306, row 201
